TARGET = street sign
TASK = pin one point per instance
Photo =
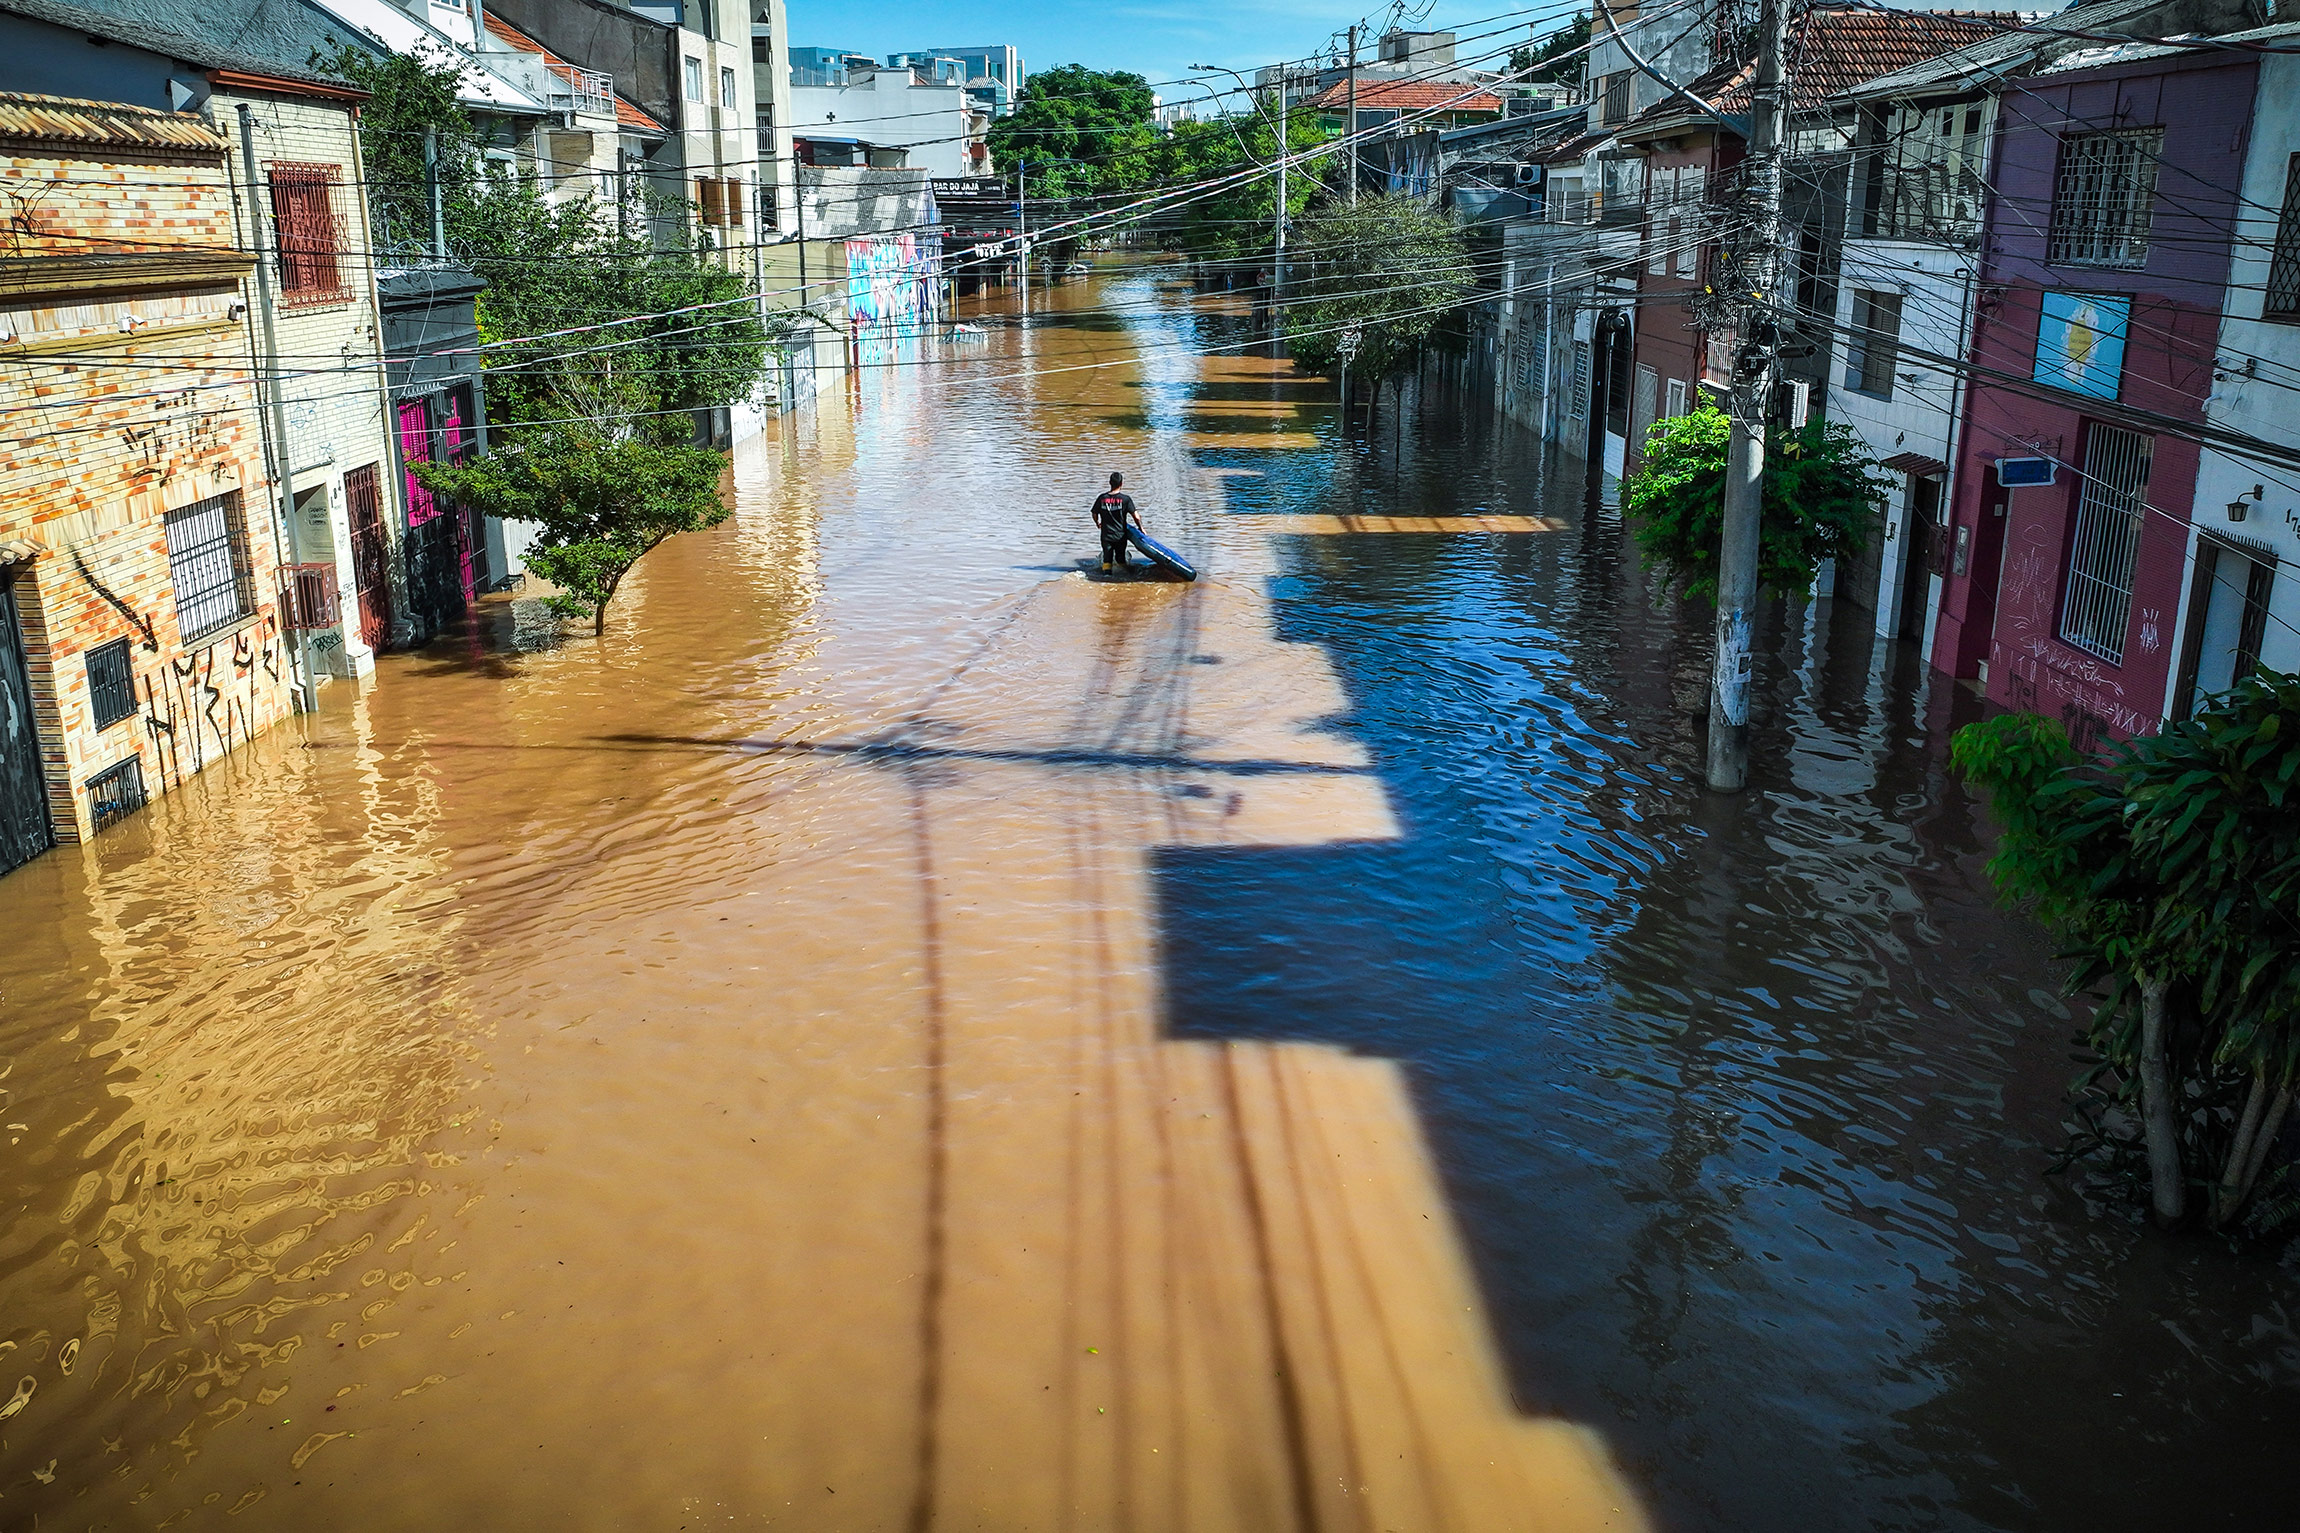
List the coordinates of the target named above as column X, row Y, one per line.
column 2024, row 473
column 1350, row 342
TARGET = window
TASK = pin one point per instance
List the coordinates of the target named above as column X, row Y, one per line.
column 2105, row 541
column 1676, row 398
column 111, row 684
column 2103, row 198
column 304, row 227
column 208, row 565
column 1644, row 403
column 1924, row 176
column 1616, row 97
column 2284, row 264
column 1692, row 192
column 1876, row 341
column 116, row 792
column 726, row 86
column 694, row 78
column 1577, row 398
column 720, row 202
column 414, row 448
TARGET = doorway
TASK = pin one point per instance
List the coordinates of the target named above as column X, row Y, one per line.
column 2228, row 617
column 1921, row 532
column 25, row 830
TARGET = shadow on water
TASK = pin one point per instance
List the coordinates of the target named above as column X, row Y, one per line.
column 1745, row 1103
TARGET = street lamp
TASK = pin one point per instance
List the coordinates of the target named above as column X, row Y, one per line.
column 1285, row 154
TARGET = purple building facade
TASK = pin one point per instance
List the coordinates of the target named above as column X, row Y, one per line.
column 2103, row 270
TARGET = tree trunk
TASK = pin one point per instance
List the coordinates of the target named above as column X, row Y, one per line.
column 2228, row 1193
column 2262, row 1143
column 2168, row 1194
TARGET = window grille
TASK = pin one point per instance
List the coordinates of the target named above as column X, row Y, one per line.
column 2283, row 300
column 111, row 683
column 1579, row 393
column 2105, row 541
column 312, row 600
column 305, row 228
column 1876, row 343
column 2103, row 198
column 1617, row 97
column 208, row 565
column 116, row 792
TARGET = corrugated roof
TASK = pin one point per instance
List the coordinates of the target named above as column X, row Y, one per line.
column 172, row 45
column 1409, row 96
column 2101, row 56
column 626, row 115
column 63, row 120
column 1831, row 51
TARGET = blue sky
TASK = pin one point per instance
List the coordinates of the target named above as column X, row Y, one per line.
column 1160, row 39
column 1155, row 38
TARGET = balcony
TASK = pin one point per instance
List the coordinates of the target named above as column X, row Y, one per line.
column 582, row 92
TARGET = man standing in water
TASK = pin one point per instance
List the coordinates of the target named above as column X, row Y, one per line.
column 1112, row 511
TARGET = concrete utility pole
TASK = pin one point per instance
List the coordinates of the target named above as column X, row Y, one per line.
column 1758, row 328
column 1350, row 123
column 1022, row 226
column 431, row 180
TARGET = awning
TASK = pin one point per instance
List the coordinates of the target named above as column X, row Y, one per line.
column 18, row 550
column 1916, row 465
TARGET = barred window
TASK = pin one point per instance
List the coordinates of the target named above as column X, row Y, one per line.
column 111, row 683
column 2284, row 264
column 1617, row 97
column 2105, row 541
column 208, row 565
column 2103, row 199
column 1876, row 342
column 116, row 792
column 304, row 225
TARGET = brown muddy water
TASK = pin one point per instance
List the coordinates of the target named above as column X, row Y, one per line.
column 902, row 1036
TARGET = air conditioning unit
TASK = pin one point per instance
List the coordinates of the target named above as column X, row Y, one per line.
column 1529, row 175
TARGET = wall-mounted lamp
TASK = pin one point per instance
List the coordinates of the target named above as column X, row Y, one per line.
column 130, row 323
column 2237, row 508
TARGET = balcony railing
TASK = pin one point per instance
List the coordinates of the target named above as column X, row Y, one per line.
column 586, row 91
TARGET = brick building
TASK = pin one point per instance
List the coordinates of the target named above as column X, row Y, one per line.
column 140, row 626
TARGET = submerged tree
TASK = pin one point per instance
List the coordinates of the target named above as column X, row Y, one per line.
column 2172, row 871
column 1080, row 131
column 1386, row 271
column 1821, row 490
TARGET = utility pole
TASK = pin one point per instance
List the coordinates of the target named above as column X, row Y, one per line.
column 799, row 203
column 1350, row 129
column 1758, row 335
column 431, row 180
column 1285, row 153
column 1022, row 226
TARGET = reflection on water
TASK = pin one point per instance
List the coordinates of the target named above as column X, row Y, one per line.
column 898, row 1036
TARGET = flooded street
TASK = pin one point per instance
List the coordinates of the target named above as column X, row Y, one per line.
column 899, row 1035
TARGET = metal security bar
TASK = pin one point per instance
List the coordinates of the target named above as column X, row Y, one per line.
column 2103, row 199
column 2283, row 300
column 309, row 234
column 111, row 683
column 116, row 792
column 2106, row 540
column 311, row 598
column 206, row 565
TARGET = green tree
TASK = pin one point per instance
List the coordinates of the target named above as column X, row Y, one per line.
column 1083, row 131
column 1237, row 220
column 1820, row 491
column 1524, row 62
column 2171, row 870
column 1388, row 270
column 407, row 94
column 604, row 499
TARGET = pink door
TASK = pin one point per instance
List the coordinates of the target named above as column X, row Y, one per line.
column 452, row 446
column 414, row 448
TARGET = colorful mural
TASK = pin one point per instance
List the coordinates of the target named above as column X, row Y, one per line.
column 2080, row 342
column 893, row 279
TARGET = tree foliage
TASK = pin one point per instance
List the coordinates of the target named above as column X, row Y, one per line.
column 1389, row 269
column 1082, row 131
column 1563, row 45
column 1238, row 221
column 2171, row 870
column 603, row 501
column 1820, row 491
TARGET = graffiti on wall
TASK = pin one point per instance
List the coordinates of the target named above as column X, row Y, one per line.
column 893, row 279
column 204, row 703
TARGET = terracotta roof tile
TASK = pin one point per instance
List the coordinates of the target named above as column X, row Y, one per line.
column 63, row 120
column 1410, row 96
column 1835, row 50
